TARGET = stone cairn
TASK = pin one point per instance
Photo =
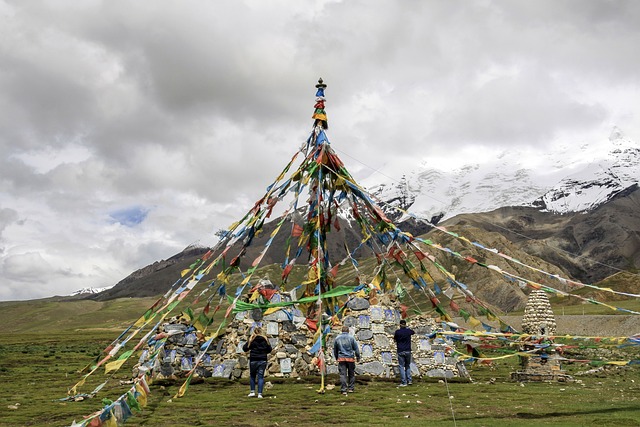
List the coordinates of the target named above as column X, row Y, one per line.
column 538, row 317
column 539, row 322
column 291, row 335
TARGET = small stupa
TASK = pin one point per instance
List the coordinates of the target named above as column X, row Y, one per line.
column 542, row 363
column 538, row 317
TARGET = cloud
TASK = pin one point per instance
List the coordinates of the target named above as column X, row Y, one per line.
column 130, row 130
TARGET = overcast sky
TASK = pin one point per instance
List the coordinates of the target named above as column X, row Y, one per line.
column 131, row 129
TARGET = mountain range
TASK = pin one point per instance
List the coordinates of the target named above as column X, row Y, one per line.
column 576, row 216
column 570, row 178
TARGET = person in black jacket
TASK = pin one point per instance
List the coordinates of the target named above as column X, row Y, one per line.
column 402, row 338
column 259, row 348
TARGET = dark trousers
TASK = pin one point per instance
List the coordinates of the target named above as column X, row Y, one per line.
column 347, row 372
column 256, row 374
column 404, row 364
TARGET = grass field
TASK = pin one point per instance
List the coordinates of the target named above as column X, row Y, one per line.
column 44, row 343
column 36, row 369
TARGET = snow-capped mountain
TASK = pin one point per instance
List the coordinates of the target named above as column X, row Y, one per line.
column 89, row 291
column 568, row 179
column 598, row 182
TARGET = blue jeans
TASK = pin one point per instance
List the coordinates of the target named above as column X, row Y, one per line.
column 347, row 372
column 256, row 374
column 404, row 363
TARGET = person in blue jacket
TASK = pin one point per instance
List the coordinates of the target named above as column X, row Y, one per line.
column 346, row 352
column 402, row 337
column 259, row 348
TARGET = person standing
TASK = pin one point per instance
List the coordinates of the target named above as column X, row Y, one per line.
column 402, row 337
column 259, row 348
column 346, row 352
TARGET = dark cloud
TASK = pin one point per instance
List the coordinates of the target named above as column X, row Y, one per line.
column 188, row 110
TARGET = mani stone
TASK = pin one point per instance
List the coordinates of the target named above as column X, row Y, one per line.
column 390, row 315
column 377, row 328
column 381, row 340
column 414, row 369
column 350, row 321
column 299, row 339
column 438, row 373
column 290, row 349
column 229, row 365
column 377, row 314
column 288, row 326
column 363, row 321
column 218, row 371
column 278, row 316
column 423, row 330
column 358, row 304
column 219, row 348
column 367, row 350
column 272, row 328
column 365, row 334
column 243, row 362
column 538, row 318
column 332, row 369
column 285, row 366
column 373, row 368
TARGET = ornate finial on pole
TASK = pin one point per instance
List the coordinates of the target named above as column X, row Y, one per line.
column 319, row 114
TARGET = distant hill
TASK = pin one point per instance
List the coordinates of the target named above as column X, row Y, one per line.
column 587, row 247
column 590, row 246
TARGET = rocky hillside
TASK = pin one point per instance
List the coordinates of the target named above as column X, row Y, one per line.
column 587, row 247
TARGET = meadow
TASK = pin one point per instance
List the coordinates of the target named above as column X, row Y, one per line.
column 43, row 345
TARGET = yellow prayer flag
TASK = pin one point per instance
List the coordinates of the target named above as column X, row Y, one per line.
column 139, row 322
column 271, row 310
column 111, row 422
column 474, row 322
column 142, row 397
column 376, row 282
column 113, row 366
column 254, row 296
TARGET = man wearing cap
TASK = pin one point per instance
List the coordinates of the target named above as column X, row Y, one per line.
column 402, row 337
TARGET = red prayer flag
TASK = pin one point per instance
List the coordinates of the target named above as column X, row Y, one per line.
column 297, row 230
column 420, row 255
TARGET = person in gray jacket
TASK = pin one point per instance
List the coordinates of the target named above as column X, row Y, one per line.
column 346, row 352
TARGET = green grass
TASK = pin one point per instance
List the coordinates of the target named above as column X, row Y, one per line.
column 46, row 316
column 36, row 369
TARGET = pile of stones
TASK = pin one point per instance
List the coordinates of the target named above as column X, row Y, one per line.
column 539, row 321
column 291, row 336
column 538, row 318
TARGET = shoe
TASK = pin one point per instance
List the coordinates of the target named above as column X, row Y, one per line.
column 252, row 394
column 350, row 391
column 402, row 385
column 409, row 383
column 259, row 396
column 344, row 393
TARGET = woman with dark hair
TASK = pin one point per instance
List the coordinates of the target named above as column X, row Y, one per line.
column 259, row 348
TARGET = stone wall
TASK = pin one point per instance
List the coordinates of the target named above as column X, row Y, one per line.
column 290, row 336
